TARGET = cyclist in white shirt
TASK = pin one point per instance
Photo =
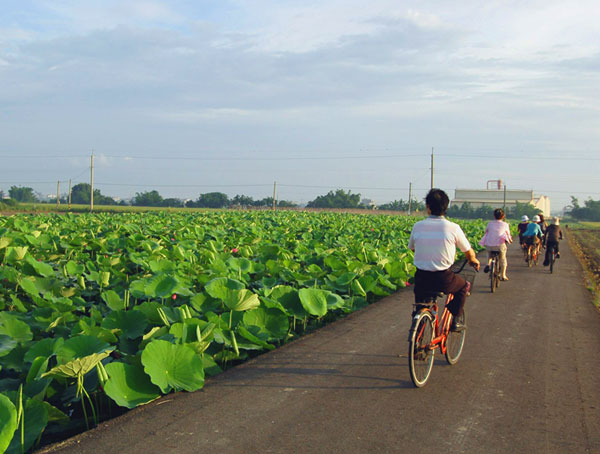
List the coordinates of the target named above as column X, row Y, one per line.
column 434, row 241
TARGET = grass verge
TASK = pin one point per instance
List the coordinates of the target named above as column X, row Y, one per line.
column 585, row 242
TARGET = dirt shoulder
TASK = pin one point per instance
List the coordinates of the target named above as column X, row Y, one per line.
column 585, row 244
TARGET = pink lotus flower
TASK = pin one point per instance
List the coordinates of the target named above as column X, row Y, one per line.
column 407, row 284
column 174, row 297
column 372, row 229
column 235, row 250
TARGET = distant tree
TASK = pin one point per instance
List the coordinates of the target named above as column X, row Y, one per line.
column 286, row 204
column 337, row 199
column 242, row 200
column 401, row 205
column 80, row 194
column 522, row 209
column 589, row 212
column 1, row 194
column 22, row 194
column 176, row 203
column 266, row 202
column 147, row 199
column 210, row 200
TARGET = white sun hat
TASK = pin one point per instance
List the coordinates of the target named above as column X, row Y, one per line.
column 524, row 218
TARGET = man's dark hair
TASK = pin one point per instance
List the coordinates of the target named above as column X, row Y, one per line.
column 437, row 201
column 498, row 213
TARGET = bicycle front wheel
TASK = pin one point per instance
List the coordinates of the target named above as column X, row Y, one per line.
column 455, row 343
column 420, row 353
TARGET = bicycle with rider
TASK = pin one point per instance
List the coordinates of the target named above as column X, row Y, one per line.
column 551, row 238
column 434, row 241
column 533, row 234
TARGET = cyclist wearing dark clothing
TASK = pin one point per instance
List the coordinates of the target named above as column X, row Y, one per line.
column 551, row 237
column 542, row 223
column 522, row 227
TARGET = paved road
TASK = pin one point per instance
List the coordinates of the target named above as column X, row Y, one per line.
column 528, row 382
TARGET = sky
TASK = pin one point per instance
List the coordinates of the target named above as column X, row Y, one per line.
column 189, row 97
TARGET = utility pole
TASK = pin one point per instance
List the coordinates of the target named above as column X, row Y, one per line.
column 274, row 195
column 57, row 193
column 409, row 197
column 431, row 167
column 69, row 194
column 504, row 204
column 92, row 183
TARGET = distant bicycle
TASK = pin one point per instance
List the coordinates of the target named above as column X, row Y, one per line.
column 552, row 259
column 430, row 331
column 532, row 255
column 494, row 271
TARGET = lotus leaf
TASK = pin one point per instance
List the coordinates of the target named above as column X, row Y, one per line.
column 314, row 301
column 113, row 300
column 128, row 385
column 7, row 343
column 270, row 321
column 173, row 366
column 204, row 303
column 15, row 253
column 77, row 367
column 242, row 300
column 43, row 269
column 80, row 347
column 36, row 419
column 334, row 301
column 8, row 421
column 132, row 323
column 161, row 286
column 222, row 287
column 74, row 269
column 252, row 333
column 45, row 347
column 11, row 326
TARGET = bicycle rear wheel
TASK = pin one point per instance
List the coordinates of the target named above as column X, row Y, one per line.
column 497, row 273
column 455, row 343
column 420, row 355
column 492, row 276
column 552, row 258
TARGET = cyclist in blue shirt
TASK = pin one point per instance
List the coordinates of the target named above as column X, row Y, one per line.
column 533, row 235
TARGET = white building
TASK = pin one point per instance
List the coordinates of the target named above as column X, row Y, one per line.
column 498, row 197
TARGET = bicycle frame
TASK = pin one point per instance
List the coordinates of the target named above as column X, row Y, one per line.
column 441, row 325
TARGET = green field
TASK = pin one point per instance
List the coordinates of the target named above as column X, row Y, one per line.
column 107, row 311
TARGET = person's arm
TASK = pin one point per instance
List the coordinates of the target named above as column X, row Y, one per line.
column 463, row 244
column 472, row 258
column 508, row 235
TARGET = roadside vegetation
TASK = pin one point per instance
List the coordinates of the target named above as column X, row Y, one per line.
column 584, row 238
column 104, row 312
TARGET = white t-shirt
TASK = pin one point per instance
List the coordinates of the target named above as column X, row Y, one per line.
column 434, row 241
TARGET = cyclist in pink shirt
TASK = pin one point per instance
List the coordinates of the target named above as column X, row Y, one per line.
column 497, row 234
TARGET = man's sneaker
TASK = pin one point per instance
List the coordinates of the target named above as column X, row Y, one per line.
column 486, row 269
column 458, row 325
column 558, row 255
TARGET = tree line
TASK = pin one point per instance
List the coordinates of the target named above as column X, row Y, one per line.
column 590, row 211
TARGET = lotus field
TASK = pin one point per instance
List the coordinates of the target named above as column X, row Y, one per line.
column 100, row 312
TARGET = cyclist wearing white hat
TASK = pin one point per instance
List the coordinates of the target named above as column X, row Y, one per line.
column 522, row 227
column 533, row 234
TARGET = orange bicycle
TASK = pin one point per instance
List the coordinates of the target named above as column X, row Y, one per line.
column 429, row 331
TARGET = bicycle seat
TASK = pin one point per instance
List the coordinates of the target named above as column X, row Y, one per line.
column 427, row 297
